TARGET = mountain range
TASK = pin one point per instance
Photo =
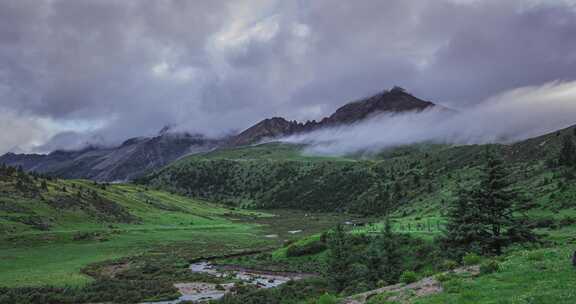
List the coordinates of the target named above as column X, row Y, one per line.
column 139, row 155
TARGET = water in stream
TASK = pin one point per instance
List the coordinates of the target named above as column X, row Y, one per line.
column 199, row 292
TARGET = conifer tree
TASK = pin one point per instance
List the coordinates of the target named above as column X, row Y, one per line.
column 464, row 230
column 568, row 152
column 339, row 258
column 484, row 219
column 384, row 260
column 391, row 257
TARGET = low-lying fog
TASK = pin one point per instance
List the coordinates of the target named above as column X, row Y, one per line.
column 512, row 116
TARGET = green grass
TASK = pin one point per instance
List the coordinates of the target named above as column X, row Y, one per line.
column 543, row 276
column 78, row 237
column 168, row 224
column 268, row 151
column 59, row 263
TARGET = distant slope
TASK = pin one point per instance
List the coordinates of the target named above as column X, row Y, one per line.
column 31, row 203
column 129, row 160
column 137, row 156
column 412, row 178
column 268, row 151
column 394, row 101
column 71, row 233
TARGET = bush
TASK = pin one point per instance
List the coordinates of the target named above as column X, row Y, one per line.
column 327, row 299
column 535, row 256
column 544, row 222
column 453, row 286
column 471, row 259
column 296, row 250
column 408, row 277
column 489, row 267
column 382, row 298
column 567, row 221
column 449, row 265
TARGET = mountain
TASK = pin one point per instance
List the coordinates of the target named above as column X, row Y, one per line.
column 131, row 159
column 276, row 175
column 139, row 155
column 396, row 100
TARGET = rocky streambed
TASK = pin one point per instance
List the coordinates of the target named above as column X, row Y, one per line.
column 200, row 292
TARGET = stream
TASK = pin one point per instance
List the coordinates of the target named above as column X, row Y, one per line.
column 200, row 292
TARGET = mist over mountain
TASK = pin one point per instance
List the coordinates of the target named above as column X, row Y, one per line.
column 512, row 116
column 139, row 155
column 131, row 159
column 394, row 101
column 121, row 69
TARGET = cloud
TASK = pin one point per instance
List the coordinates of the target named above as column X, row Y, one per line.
column 21, row 133
column 508, row 117
column 130, row 67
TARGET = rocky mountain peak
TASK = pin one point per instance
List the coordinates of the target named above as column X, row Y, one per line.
column 396, row 100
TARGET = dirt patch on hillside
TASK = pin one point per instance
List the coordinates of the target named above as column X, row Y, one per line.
column 405, row 293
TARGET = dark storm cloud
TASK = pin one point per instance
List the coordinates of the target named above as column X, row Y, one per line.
column 113, row 69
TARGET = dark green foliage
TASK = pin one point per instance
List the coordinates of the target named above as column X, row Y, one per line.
column 114, row 291
column 408, row 277
column 464, row 231
column 383, row 257
column 306, row 249
column 290, row 293
column 363, row 187
column 489, row 267
column 483, row 219
column 567, row 155
column 339, row 259
column 370, row 260
column 471, row 259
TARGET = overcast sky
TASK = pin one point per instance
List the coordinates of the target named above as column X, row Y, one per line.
column 106, row 70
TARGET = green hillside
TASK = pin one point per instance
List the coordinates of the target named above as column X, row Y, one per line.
column 51, row 230
column 413, row 179
column 90, row 242
column 76, row 241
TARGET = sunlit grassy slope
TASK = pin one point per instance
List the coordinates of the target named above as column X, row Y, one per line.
column 543, row 276
column 50, row 235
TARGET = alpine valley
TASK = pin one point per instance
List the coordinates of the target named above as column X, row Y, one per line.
column 253, row 218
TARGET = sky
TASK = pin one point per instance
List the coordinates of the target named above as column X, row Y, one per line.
column 101, row 71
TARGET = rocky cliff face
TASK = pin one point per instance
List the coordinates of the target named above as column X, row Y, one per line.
column 394, row 101
column 127, row 161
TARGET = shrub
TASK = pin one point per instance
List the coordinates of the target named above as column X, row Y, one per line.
column 489, row 267
column 296, row 250
column 449, row 265
column 408, row 277
column 471, row 259
column 453, row 286
column 535, row 256
column 567, row 221
column 544, row 222
column 382, row 298
column 327, row 299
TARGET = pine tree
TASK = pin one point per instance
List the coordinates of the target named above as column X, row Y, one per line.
column 339, row 259
column 483, row 219
column 464, row 230
column 567, row 155
column 391, row 256
column 383, row 259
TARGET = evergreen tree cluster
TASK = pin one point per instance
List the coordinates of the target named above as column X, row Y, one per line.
column 485, row 218
column 567, row 155
column 356, row 263
column 360, row 187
